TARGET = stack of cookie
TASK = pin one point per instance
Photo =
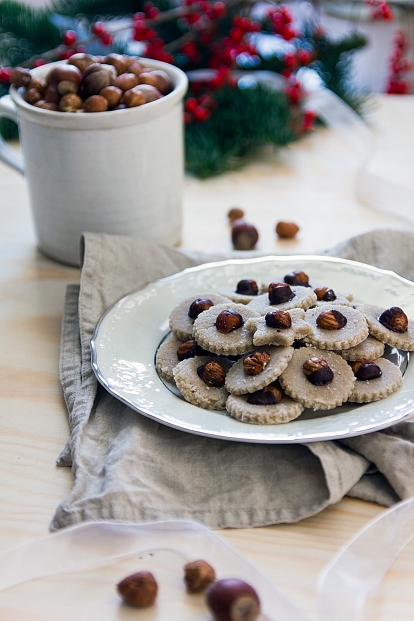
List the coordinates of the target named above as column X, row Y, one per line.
column 265, row 352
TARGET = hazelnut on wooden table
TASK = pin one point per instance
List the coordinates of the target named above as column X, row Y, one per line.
column 235, row 213
column 286, row 230
column 198, row 575
column 138, row 590
column 233, row 600
column 243, row 235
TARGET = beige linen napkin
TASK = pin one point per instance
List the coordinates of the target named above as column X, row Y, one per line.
column 128, row 467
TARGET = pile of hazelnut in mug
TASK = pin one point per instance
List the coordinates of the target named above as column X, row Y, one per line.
column 93, row 84
column 264, row 352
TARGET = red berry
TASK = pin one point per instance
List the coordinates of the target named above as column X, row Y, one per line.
column 106, row 38
column 98, row 28
column 69, row 37
column 81, row 49
column 191, row 103
column 236, row 34
column 39, row 62
column 201, row 114
column 219, row 9
column 67, row 54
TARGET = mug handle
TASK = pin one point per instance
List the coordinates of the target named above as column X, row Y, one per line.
column 7, row 154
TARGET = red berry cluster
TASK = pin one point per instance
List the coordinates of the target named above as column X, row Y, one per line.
column 198, row 109
column 99, row 30
column 294, row 60
column 281, row 21
column 237, row 42
column 399, row 65
column 294, row 91
column 380, row 9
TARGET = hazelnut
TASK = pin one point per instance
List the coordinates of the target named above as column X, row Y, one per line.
column 212, row 373
column 133, row 98
column 112, row 95
column 135, row 67
column 228, row 320
column 198, row 575
column 324, row 294
column 150, row 92
column 286, row 229
column 317, row 371
column 46, row 105
column 279, row 293
column 297, row 278
column 269, row 395
column 139, row 590
column 32, row 96
column 51, row 94
column 243, row 235
column 95, row 79
column 189, row 349
column 82, row 61
column 20, row 77
column 95, row 103
column 157, row 78
column 235, row 213
column 281, row 320
column 331, row 320
column 247, row 286
column 233, row 600
column 199, row 306
column 70, row 103
column 66, row 78
column 365, row 369
column 39, row 85
column 118, row 61
column 394, row 319
column 255, row 363
column 96, row 67
column 126, row 81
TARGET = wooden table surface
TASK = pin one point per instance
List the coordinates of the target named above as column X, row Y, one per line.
column 310, row 183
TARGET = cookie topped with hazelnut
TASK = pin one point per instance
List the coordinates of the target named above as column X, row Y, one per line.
column 317, row 378
column 284, row 297
column 390, row 325
column 336, row 327
column 268, row 406
column 258, row 369
column 183, row 315
column 279, row 327
column 201, row 381
column 221, row 329
column 245, row 291
column 375, row 380
column 370, row 348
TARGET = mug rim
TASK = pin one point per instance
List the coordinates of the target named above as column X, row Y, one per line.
column 110, row 118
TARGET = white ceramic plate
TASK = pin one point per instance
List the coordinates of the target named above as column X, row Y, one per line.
column 128, row 335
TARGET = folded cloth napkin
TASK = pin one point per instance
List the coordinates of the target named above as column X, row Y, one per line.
column 128, row 467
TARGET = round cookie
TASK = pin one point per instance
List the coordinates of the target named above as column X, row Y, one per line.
column 166, row 358
column 355, row 331
column 238, row 383
column 304, row 298
column 237, row 298
column 192, row 387
column 181, row 325
column 404, row 340
column 366, row 391
column 371, row 348
column 282, row 412
column 340, row 299
column 238, row 341
column 295, row 383
column 264, row 335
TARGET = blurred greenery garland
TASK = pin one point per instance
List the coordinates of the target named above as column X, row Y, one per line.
column 224, row 122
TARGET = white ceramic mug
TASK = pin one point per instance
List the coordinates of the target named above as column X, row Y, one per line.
column 109, row 172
